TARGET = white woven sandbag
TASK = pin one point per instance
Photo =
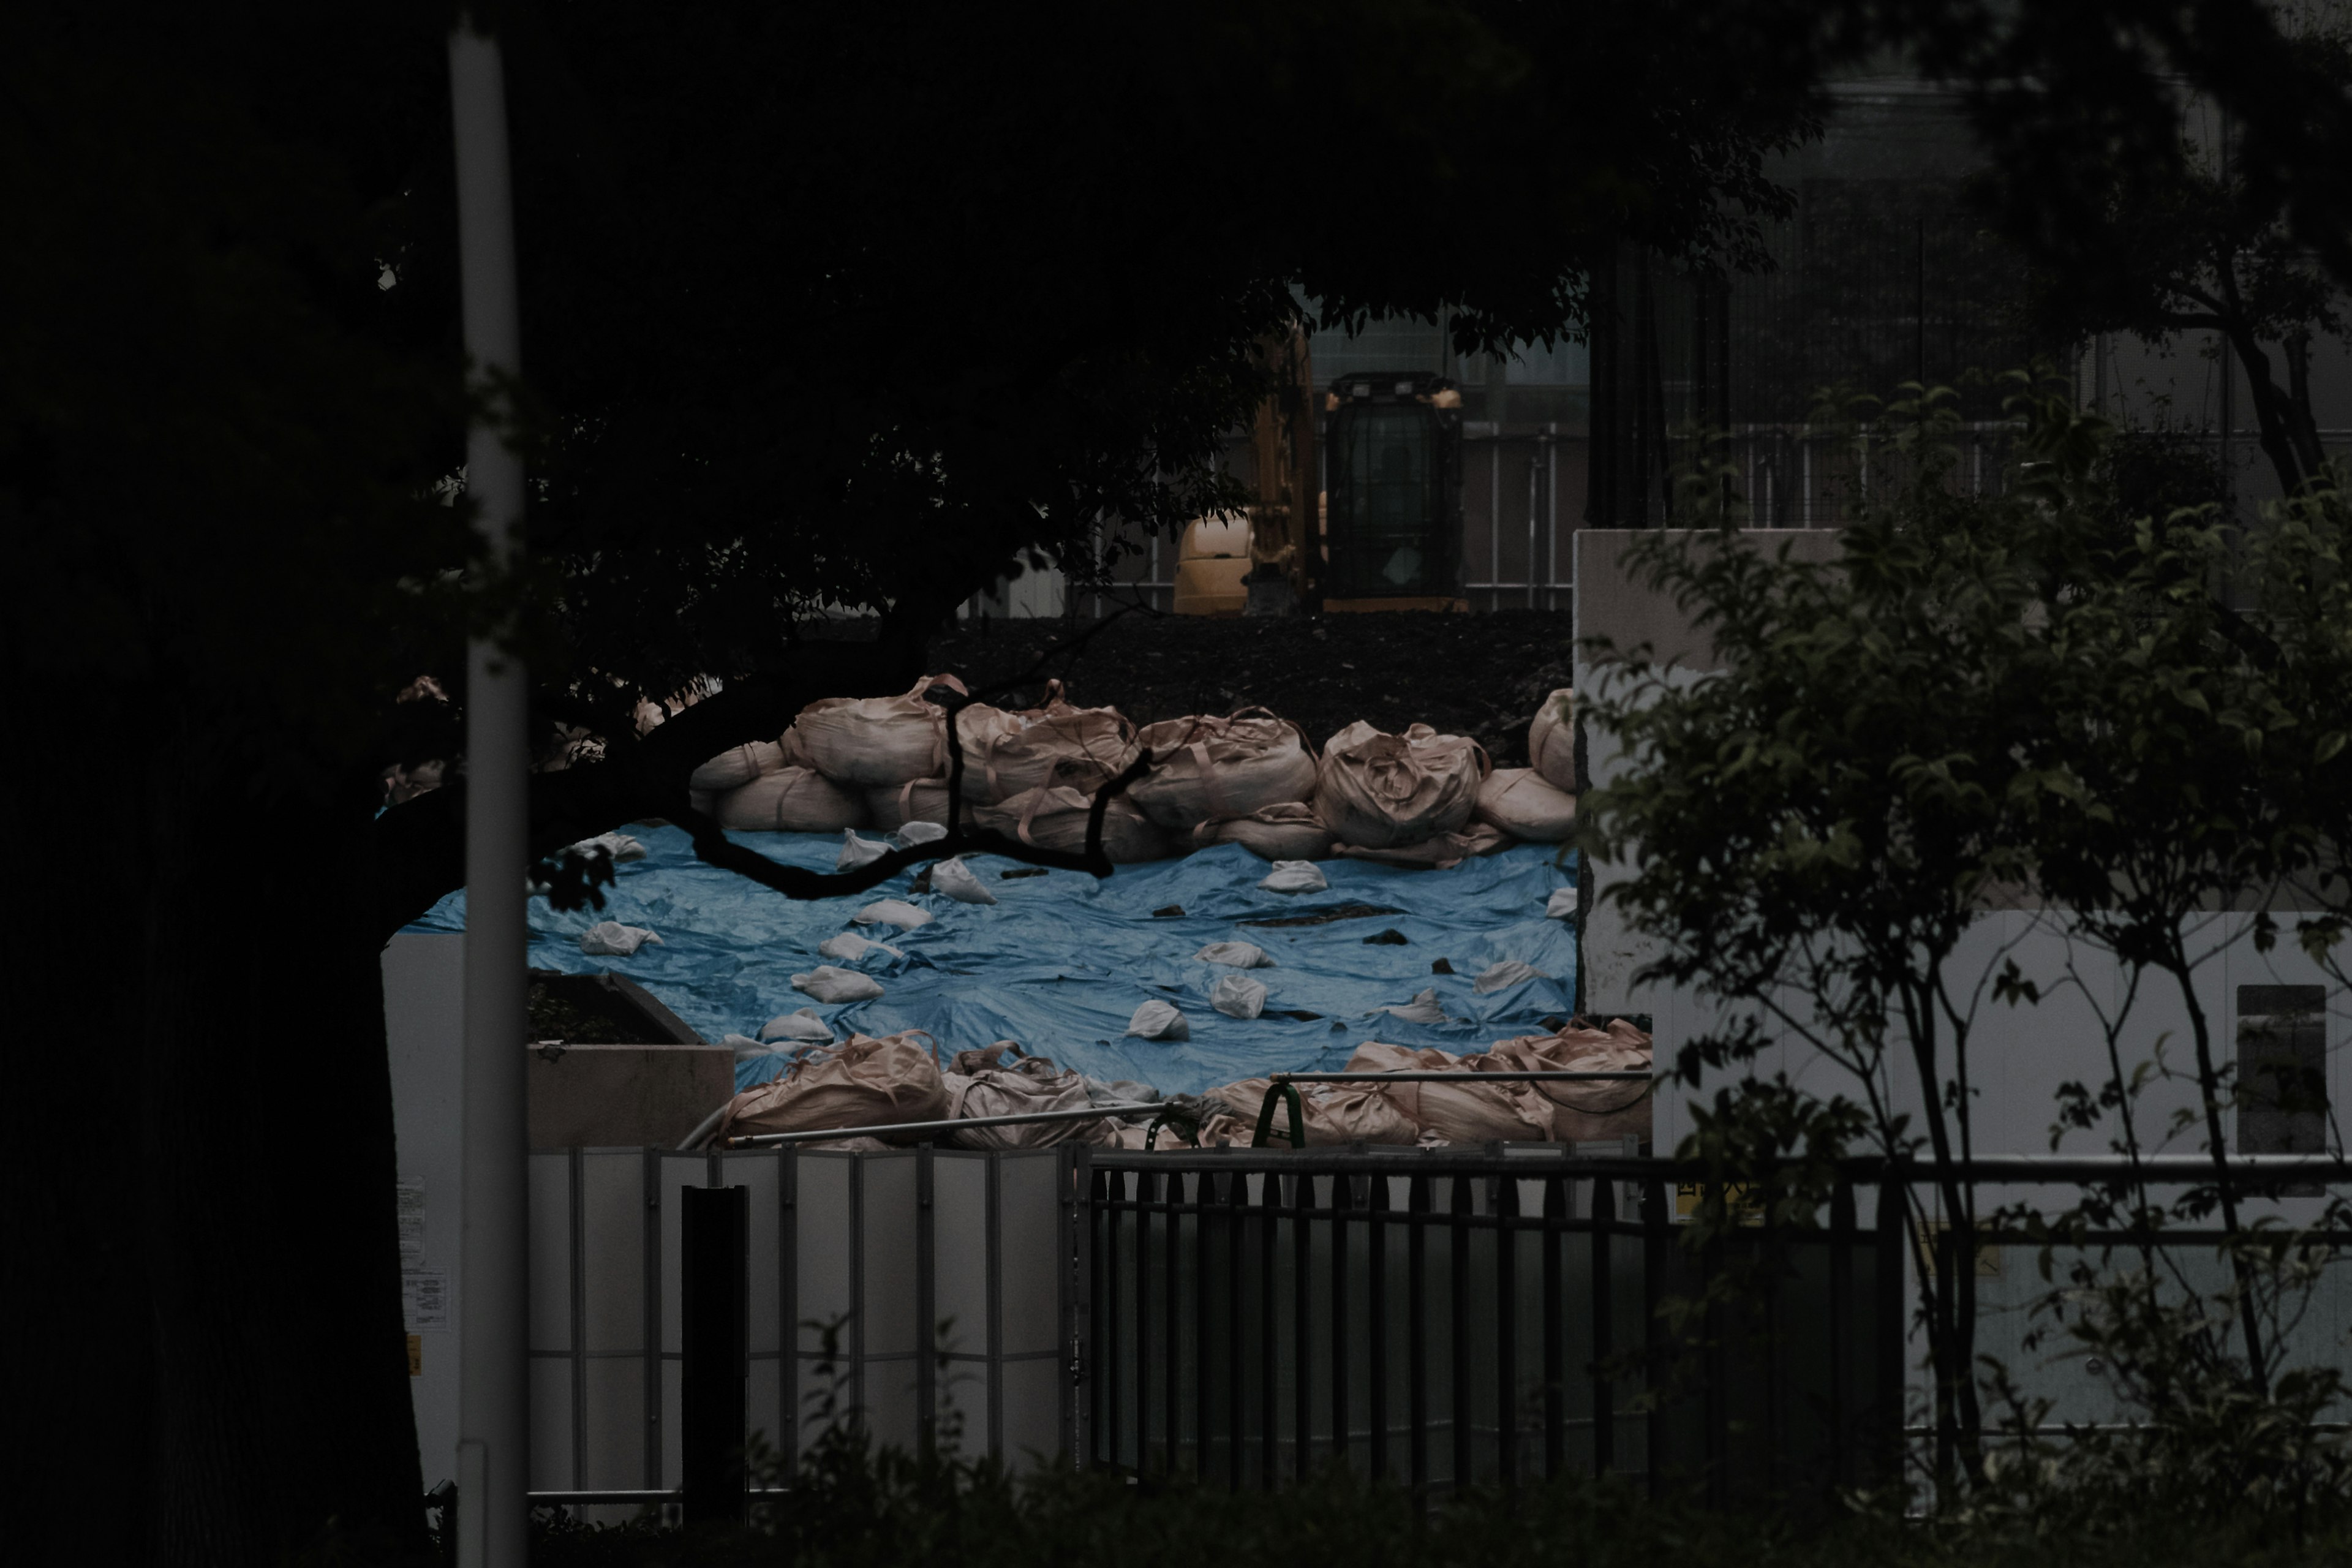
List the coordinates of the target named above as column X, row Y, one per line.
column 953, row 878
column 1157, row 1020
column 1291, row 831
column 617, row 847
column 1467, row 1112
column 1502, row 976
column 872, row 742
column 1521, row 803
column 746, row 1049
column 848, row 947
column 1238, row 997
column 802, row 1025
column 1235, row 955
column 611, row 938
column 1424, row 1008
column 1551, row 740
column 829, row 985
column 911, row 834
column 1057, row 744
column 892, row 912
column 1440, row 852
column 1001, row 1080
column 1207, row 768
column 1561, row 905
column 737, row 766
column 857, row 851
column 1057, row 820
column 1376, row 791
column 1293, row 876
column 1590, row 1110
column 790, row 800
column 866, row 1082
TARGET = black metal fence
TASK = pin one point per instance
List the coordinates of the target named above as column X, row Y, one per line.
column 1454, row 1318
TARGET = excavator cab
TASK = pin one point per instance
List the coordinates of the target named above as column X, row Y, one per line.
column 1394, row 482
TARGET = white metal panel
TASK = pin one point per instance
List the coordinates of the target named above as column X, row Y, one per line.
column 550, row 1423
column 1033, row 1411
column 615, row 1449
column 612, row 1261
column 821, row 1224
column 890, row 1413
column 764, row 1414
column 678, row 1172
column 759, row 1174
column 1028, row 1226
column 886, row 1239
column 551, row 1254
column 673, row 1397
column 959, row 1248
column 424, row 986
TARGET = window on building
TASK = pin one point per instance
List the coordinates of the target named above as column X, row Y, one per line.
column 2282, row 1070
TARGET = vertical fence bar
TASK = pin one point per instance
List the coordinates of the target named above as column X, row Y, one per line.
column 927, row 1375
column 1841, row 1328
column 1172, row 1314
column 1302, row 1360
column 1074, row 1180
column 1535, row 478
column 1110, row 1356
column 1204, row 1210
column 1655, row 1242
column 1604, row 1338
column 1417, row 1330
column 788, row 1301
column 1236, row 1217
column 1716, row 1391
column 1505, row 1206
column 1887, row 1284
column 1459, row 1267
column 1495, row 517
column 1555, row 1332
column 1376, row 1303
column 1269, row 1210
column 1146, row 1183
column 653, row 1320
column 1342, row 1200
column 576, row 1288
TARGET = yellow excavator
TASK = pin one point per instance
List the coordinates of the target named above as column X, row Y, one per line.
column 1387, row 534
column 1259, row 561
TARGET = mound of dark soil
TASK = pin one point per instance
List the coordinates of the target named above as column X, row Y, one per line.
column 1479, row 676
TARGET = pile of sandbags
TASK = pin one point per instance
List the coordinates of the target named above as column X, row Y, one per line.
column 1477, row 1109
column 1002, row 1079
column 863, row 1082
column 1405, row 800
column 1582, row 1111
column 1247, row 777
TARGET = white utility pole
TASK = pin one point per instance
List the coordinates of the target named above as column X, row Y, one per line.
column 494, row 1281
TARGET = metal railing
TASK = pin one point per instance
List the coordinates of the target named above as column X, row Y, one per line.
column 1447, row 1319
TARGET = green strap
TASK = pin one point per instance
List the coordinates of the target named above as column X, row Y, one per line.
column 1173, row 1117
column 1290, row 1093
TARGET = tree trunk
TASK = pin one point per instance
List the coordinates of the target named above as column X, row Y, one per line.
column 201, row 1117
column 283, row 1413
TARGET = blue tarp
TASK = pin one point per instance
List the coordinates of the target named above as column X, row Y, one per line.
column 1061, row 960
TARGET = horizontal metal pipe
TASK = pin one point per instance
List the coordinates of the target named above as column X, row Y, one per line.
column 901, row 1128
column 645, row 1495
column 1459, row 1075
column 2016, row 1169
